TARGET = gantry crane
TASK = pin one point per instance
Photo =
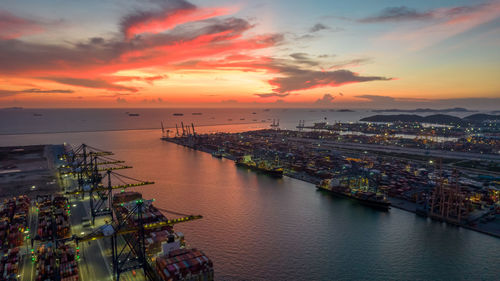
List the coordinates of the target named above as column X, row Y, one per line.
column 100, row 195
column 131, row 254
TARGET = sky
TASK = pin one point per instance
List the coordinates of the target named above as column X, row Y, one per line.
column 280, row 53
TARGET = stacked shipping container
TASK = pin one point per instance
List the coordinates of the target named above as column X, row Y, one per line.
column 13, row 224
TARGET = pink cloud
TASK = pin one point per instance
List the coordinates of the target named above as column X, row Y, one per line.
column 12, row 27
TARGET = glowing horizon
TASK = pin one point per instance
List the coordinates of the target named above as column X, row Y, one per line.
column 250, row 54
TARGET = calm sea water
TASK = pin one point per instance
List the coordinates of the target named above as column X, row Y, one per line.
column 260, row 228
column 29, row 121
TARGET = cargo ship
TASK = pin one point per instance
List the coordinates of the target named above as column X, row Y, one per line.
column 260, row 166
column 217, row 154
column 351, row 188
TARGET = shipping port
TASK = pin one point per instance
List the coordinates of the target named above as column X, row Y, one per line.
column 448, row 174
column 67, row 215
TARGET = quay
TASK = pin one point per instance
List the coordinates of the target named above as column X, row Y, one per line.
column 427, row 183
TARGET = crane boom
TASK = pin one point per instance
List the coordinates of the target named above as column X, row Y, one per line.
column 128, row 230
column 122, row 186
column 99, row 153
column 110, row 162
column 113, row 168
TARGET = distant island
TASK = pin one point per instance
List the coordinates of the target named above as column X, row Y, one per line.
column 14, row 107
column 434, row 119
column 345, row 110
column 424, row 110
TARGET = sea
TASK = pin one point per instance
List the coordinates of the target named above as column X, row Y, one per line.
column 256, row 227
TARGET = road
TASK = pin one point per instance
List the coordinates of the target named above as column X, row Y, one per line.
column 402, row 150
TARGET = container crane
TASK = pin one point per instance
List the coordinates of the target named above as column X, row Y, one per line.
column 131, row 254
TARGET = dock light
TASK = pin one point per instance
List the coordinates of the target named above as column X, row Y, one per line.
column 81, row 233
column 74, row 205
column 430, row 161
column 33, row 187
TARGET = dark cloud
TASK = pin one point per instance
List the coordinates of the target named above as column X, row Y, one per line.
column 90, row 83
column 349, row 63
column 403, row 13
column 167, row 8
column 326, row 100
column 270, row 95
column 4, row 93
column 376, row 98
column 301, row 79
column 40, row 91
column 325, row 56
column 304, row 59
column 153, row 100
column 317, row 27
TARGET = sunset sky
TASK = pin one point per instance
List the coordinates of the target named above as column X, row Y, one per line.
column 174, row 53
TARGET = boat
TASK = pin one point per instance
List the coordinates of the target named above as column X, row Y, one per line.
column 217, row 154
column 133, row 114
column 196, row 113
column 260, row 166
column 178, row 114
column 352, row 188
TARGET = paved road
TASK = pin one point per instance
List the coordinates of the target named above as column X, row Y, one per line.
column 402, row 150
column 94, row 262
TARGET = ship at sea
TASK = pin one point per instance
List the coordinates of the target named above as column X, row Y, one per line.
column 357, row 189
column 262, row 166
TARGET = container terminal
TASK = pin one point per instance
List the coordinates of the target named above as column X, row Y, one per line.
column 67, row 215
column 455, row 181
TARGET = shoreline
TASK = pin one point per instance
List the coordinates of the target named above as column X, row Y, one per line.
column 395, row 202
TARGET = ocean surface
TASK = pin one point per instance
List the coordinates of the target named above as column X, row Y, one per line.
column 257, row 227
column 28, row 121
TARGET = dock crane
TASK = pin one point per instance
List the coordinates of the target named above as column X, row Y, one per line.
column 101, row 195
column 177, row 130
column 131, row 254
column 183, row 129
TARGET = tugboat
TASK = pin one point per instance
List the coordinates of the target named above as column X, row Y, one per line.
column 260, row 166
column 352, row 188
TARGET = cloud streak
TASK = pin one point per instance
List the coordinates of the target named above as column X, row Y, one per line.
column 5, row 93
column 403, row 13
column 271, row 95
column 318, row 27
column 90, row 83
